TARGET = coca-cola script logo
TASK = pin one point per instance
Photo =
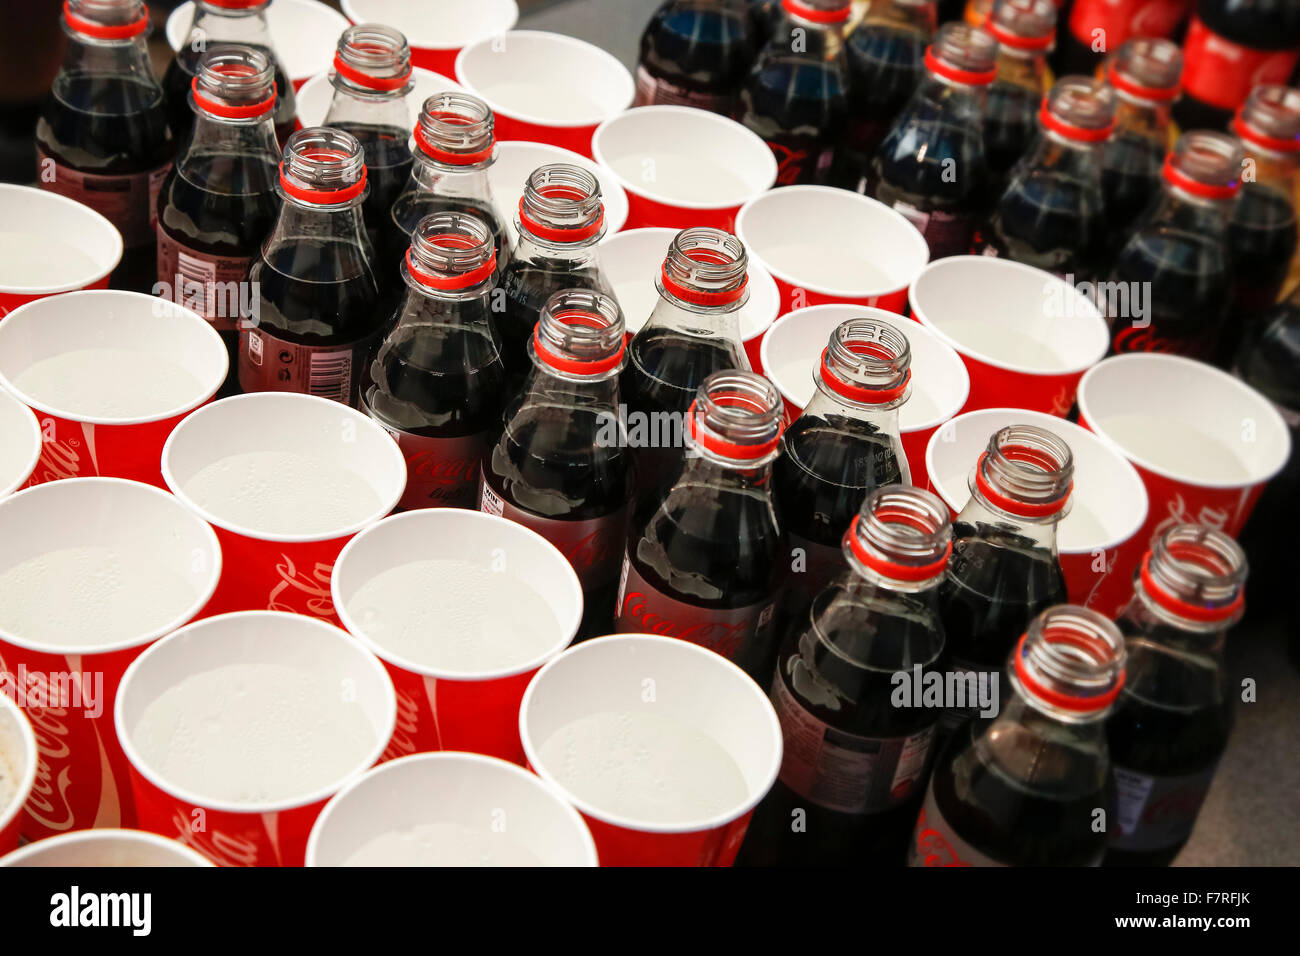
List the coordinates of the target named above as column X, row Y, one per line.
column 1179, row 513
column 426, row 466
column 1134, row 339
column 597, row 550
column 933, row 848
column 315, row 585
column 60, row 458
column 722, row 637
column 48, row 804
column 221, row 848
column 789, row 163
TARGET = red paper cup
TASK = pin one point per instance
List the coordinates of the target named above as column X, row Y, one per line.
column 692, row 690
column 827, row 245
column 18, row 761
column 249, row 832
column 1026, row 336
column 683, row 167
column 1152, row 406
column 633, row 259
column 516, row 161
column 109, row 375
column 545, row 87
column 1098, row 540
column 437, row 31
column 455, row 703
column 20, row 443
column 305, row 34
column 277, row 568
column 106, row 848
column 317, row 93
column 792, row 354
column 62, row 246
column 449, row 809
column 155, row 564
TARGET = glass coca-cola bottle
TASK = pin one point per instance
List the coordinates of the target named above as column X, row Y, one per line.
column 854, row 763
column 693, row 332
column 219, row 202
column 796, row 96
column 1096, row 28
column 1177, row 257
column 843, row 446
column 705, row 565
column 1052, row 215
column 561, row 466
column 1030, row 787
column 886, row 57
column 1171, row 722
column 695, row 53
column 315, row 320
column 1005, row 569
column 102, row 137
column 1025, row 31
column 931, row 165
column 226, row 21
column 1145, row 75
column 438, row 380
column 561, row 220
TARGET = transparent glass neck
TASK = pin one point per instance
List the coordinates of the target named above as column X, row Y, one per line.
column 246, row 25
column 916, row 16
column 451, row 258
column 238, row 77
column 371, row 78
column 88, row 55
column 322, row 204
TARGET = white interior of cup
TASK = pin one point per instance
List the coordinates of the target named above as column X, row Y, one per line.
column 1109, row 501
column 965, row 299
column 294, row 641
column 632, row 260
column 20, row 442
column 305, row 33
column 437, row 24
column 317, row 93
column 115, row 848
column 143, row 525
column 18, row 755
column 515, row 162
column 691, row 685
column 1191, row 399
column 103, row 319
column 433, row 534
column 546, row 78
column 285, row 422
column 470, row 790
column 49, row 223
column 684, row 157
column 793, row 349
column 838, row 231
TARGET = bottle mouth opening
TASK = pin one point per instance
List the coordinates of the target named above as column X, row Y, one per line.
column 580, row 332
column 456, row 129
column 235, row 82
column 1026, row 25
column 1270, row 118
column 867, row 362
column 562, row 204
column 1205, row 164
column 323, row 166
column 375, row 58
column 1071, row 658
column 736, row 415
column 1196, row 573
column 1026, row 471
column 1148, row 69
column 706, row 267
column 1079, row 108
column 106, row 19
column 819, row 11
column 902, row 533
column 451, row 251
column 963, row 54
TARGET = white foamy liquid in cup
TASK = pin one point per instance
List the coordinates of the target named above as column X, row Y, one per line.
column 686, row 178
column 253, row 733
column 8, row 781
column 442, row 844
column 1005, row 344
column 33, row 260
column 541, row 103
column 1176, row 446
column 796, row 374
column 1081, row 527
column 830, row 266
column 283, row 492
column 91, row 595
column 110, row 383
column 644, row 767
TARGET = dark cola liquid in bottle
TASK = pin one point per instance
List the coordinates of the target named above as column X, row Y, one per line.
column 763, row 17
column 315, row 320
column 218, row 22
column 1145, row 76
column 705, row 565
column 1005, row 570
column 1025, row 31
column 1177, row 259
column 1052, row 214
column 438, row 380
column 693, row 332
column 796, row 96
column 102, row 137
column 1031, row 786
column 1094, row 29
column 854, row 762
column 886, row 57
column 1171, row 722
column 560, row 222
column 695, row 53
column 371, row 77
column 219, row 202
column 843, row 446
column 562, row 466
column 1232, row 46
column 931, row 165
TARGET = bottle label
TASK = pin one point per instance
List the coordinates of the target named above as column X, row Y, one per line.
column 800, row 160
column 842, row 771
column 727, row 631
column 1117, row 20
column 653, row 91
column 1222, row 73
column 935, row 843
column 953, row 717
column 128, row 200
column 1154, row 813
column 270, row 364
column 946, row 233
column 821, row 563
column 205, row 283
column 440, row 472
column 592, row 545
column 1133, row 339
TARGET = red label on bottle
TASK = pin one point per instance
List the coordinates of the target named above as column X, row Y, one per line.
column 1120, row 19
column 653, row 91
column 270, row 364
column 213, row 286
column 1146, row 339
column 799, row 162
column 936, row 843
column 1222, row 73
column 1156, row 813
column 440, row 472
column 128, row 200
column 946, row 233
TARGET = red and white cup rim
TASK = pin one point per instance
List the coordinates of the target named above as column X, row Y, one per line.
column 16, row 466
column 370, row 11
column 31, row 854
column 29, row 759
column 104, row 264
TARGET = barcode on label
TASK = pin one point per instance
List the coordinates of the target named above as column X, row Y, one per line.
column 197, row 277
column 330, row 375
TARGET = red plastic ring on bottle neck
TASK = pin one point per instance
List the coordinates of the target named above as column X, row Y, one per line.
column 1156, row 94
column 577, row 234
column 726, row 449
column 228, row 111
column 573, row 366
column 237, row 4
column 323, row 197
column 447, row 156
column 812, row 14
column 716, row 297
column 104, row 31
column 379, row 84
column 1251, row 135
column 1181, row 608
column 1077, row 133
column 452, row 283
column 1017, row 42
column 1056, row 698
column 1176, row 177
column 968, row 77
column 1024, row 509
column 892, row 569
column 859, row 393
